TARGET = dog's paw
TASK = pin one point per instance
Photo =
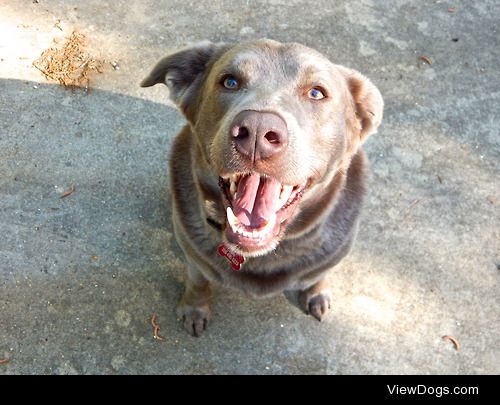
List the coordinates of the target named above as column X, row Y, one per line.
column 194, row 319
column 316, row 305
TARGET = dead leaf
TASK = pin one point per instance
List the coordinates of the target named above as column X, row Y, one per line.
column 426, row 59
column 455, row 342
column 69, row 192
column 157, row 328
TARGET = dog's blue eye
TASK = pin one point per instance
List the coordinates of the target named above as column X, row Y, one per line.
column 230, row 83
column 316, row 93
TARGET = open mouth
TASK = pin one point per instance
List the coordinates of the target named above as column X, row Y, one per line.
column 256, row 206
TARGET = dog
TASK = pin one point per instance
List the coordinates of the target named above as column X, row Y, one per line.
column 268, row 176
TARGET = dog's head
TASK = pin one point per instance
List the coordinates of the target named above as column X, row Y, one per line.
column 274, row 122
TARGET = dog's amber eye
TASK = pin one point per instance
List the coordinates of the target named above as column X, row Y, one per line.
column 230, row 82
column 316, row 93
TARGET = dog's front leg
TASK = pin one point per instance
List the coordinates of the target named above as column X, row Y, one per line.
column 315, row 300
column 194, row 306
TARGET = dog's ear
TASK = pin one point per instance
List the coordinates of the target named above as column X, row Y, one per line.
column 368, row 104
column 182, row 71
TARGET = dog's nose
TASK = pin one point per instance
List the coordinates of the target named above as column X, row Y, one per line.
column 259, row 135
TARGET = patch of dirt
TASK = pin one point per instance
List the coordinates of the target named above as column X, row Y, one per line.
column 71, row 64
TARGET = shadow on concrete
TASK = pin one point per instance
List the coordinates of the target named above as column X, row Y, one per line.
column 81, row 276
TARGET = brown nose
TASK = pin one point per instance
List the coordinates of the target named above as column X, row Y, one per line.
column 259, row 135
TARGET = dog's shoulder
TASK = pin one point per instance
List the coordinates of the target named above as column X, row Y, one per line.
column 182, row 184
column 180, row 163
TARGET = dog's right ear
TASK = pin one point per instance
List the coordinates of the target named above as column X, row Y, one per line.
column 182, row 71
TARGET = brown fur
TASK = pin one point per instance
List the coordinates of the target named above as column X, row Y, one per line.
column 325, row 139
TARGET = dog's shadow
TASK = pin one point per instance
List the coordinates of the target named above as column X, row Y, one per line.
column 111, row 149
column 293, row 298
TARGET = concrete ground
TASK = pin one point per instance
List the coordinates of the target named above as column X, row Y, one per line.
column 80, row 277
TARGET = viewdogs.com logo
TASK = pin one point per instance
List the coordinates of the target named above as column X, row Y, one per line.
column 433, row 391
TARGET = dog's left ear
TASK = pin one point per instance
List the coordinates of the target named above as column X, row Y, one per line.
column 182, row 72
column 368, row 104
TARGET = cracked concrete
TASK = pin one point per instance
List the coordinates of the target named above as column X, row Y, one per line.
column 80, row 277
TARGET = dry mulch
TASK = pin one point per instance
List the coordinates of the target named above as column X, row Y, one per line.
column 71, row 64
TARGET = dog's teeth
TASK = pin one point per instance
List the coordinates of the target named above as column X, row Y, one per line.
column 260, row 233
column 285, row 192
column 232, row 220
column 232, row 188
column 233, row 181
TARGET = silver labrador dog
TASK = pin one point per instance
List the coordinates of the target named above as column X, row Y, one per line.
column 268, row 177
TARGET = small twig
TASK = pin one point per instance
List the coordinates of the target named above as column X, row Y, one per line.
column 4, row 361
column 153, row 321
column 455, row 342
column 56, row 25
column 157, row 328
column 414, row 203
column 40, row 69
column 84, row 63
column 426, row 59
column 69, row 192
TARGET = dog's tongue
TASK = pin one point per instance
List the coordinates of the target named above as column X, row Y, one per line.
column 257, row 200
